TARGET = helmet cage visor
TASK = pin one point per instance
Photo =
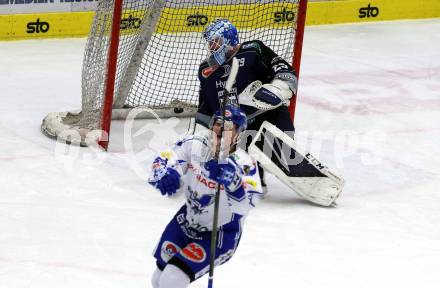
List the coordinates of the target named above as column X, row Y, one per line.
column 220, row 36
column 217, row 49
column 215, row 44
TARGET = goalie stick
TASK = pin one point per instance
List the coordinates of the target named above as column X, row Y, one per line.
column 303, row 173
column 222, row 157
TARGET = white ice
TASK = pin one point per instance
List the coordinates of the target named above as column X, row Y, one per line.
column 368, row 106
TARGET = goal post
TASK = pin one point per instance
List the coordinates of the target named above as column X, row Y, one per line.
column 111, row 75
column 297, row 49
column 150, row 54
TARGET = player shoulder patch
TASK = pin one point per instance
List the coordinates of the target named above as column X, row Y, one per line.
column 206, row 72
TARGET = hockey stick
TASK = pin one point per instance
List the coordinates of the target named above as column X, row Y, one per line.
column 222, row 156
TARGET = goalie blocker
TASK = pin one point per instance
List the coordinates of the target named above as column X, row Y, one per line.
column 278, row 154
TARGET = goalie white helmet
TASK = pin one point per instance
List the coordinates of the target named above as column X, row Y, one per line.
column 220, row 35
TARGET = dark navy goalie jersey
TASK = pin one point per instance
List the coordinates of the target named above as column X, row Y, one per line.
column 256, row 62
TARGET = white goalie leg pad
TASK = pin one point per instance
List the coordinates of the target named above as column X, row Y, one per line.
column 278, row 153
column 173, row 277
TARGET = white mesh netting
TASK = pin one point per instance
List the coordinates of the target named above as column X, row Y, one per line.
column 161, row 47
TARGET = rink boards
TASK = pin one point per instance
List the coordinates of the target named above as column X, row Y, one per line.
column 70, row 20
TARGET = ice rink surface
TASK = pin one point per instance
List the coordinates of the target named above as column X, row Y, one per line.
column 368, row 106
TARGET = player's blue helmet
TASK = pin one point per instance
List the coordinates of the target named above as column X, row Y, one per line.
column 220, row 35
column 233, row 115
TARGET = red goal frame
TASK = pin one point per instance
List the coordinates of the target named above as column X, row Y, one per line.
column 113, row 55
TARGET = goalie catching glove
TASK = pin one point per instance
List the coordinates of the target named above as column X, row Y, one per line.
column 268, row 96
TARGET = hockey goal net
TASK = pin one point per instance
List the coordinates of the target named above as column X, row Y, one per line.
column 146, row 53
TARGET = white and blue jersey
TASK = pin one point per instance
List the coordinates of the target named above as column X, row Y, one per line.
column 186, row 240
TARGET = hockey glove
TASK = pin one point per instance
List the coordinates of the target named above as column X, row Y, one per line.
column 227, row 174
column 266, row 96
column 164, row 178
column 272, row 95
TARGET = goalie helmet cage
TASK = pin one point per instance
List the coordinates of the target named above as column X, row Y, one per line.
column 146, row 53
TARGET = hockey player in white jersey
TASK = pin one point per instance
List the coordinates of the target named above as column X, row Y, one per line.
column 183, row 252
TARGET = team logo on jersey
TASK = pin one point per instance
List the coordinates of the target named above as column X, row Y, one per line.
column 194, row 252
column 168, row 250
column 227, row 70
column 197, row 202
